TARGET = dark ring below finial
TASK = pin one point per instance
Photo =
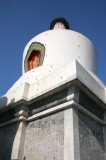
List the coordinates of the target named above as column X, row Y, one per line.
column 61, row 20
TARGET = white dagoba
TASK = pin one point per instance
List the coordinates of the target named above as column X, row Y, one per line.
column 63, row 46
column 60, row 52
column 57, row 108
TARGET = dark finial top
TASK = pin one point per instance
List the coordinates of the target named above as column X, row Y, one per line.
column 60, row 20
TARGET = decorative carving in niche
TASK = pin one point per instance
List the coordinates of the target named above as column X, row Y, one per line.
column 33, row 60
column 35, row 56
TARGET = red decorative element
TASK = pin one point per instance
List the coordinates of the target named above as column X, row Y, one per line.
column 33, row 60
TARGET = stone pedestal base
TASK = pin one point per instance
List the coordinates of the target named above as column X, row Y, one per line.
column 65, row 125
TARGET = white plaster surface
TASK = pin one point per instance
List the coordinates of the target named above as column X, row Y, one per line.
column 63, row 46
column 28, row 90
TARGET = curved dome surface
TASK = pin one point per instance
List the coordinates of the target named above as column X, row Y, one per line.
column 62, row 46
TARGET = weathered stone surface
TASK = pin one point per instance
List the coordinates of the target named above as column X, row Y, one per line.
column 4, row 117
column 91, row 139
column 63, row 125
column 7, row 135
column 48, row 102
column 45, row 138
column 91, row 105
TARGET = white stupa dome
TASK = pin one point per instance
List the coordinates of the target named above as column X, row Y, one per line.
column 61, row 46
column 53, row 58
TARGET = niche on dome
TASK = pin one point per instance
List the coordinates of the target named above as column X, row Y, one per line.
column 35, row 56
column 33, row 60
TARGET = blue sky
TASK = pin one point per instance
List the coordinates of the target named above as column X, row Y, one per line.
column 21, row 20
